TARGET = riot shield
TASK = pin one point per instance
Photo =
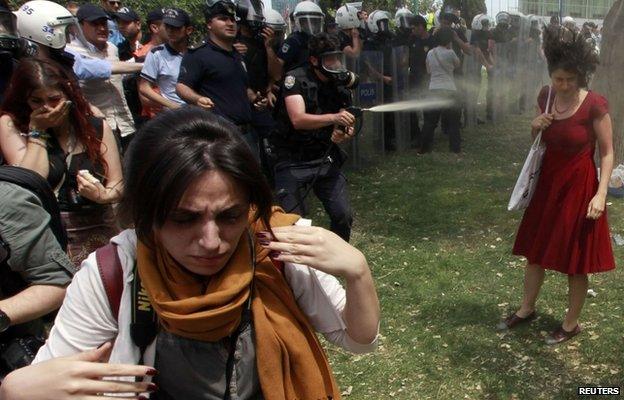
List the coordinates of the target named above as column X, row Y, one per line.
column 368, row 145
column 401, row 91
column 471, row 82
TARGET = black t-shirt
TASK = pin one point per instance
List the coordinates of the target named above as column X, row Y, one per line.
column 221, row 75
column 418, row 59
column 257, row 63
column 294, row 51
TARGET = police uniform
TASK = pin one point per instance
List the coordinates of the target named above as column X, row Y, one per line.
column 300, row 153
column 294, row 50
column 161, row 67
column 221, row 75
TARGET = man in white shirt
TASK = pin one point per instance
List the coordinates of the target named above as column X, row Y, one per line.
column 105, row 94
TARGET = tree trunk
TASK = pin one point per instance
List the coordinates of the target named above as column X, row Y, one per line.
column 608, row 79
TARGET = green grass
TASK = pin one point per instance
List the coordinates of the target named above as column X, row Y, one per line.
column 438, row 239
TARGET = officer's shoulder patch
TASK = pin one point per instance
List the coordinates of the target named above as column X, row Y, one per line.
column 285, row 48
column 289, row 82
column 156, row 49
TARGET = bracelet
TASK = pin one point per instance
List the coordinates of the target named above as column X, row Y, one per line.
column 36, row 134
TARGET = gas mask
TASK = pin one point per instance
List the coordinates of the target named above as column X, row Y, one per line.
column 332, row 64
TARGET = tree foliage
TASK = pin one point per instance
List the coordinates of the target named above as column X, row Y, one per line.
column 469, row 8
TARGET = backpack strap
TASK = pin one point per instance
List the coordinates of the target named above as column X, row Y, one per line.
column 111, row 273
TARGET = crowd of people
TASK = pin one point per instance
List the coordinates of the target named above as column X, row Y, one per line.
column 193, row 258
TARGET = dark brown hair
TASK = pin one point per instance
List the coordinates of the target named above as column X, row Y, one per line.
column 569, row 51
column 174, row 149
column 33, row 74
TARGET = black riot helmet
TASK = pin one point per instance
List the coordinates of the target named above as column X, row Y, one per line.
column 213, row 8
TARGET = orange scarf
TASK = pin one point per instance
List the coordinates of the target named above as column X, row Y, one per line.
column 290, row 360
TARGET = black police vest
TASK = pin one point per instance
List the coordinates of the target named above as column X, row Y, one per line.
column 319, row 98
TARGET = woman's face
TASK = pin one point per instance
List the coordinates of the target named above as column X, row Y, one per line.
column 564, row 81
column 49, row 97
column 202, row 233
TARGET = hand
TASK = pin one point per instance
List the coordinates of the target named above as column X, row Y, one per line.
column 317, row 248
column 241, row 48
column 272, row 99
column 387, row 80
column 343, row 118
column 596, row 207
column 268, row 35
column 542, row 122
column 260, row 102
column 205, row 102
column 91, row 188
column 76, row 377
column 355, row 33
column 43, row 117
column 342, row 134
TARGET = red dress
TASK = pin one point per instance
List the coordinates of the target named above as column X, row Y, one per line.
column 555, row 232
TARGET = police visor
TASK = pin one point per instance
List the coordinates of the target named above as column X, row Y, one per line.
column 333, row 61
column 310, row 24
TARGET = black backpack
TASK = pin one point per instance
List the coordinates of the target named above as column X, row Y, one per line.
column 19, row 344
column 36, row 184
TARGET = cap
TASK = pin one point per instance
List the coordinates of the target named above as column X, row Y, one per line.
column 127, row 14
column 219, row 7
column 176, row 17
column 155, row 15
column 90, row 13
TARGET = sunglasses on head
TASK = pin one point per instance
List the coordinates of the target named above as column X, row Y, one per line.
column 112, row 2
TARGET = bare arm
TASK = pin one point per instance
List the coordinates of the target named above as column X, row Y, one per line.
column 466, row 48
column 18, row 150
column 295, row 106
column 94, row 190
column 355, row 50
column 33, row 302
column 145, row 88
column 604, row 136
column 192, row 97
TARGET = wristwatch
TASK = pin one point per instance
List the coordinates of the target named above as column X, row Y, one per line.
column 5, row 321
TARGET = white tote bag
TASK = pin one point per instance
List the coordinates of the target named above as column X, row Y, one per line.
column 525, row 185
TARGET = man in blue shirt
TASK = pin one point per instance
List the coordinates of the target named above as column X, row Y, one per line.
column 162, row 63
column 214, row 75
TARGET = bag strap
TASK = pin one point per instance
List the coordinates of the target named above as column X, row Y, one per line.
column 538, row 138
column 111, row 273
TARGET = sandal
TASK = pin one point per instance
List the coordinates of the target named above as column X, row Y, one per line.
column 560, row 335
column 514, row 320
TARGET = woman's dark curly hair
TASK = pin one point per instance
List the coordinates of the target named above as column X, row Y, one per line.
column 570, row 52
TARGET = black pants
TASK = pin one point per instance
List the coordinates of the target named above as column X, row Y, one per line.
column 451, row 121
column 292, row 180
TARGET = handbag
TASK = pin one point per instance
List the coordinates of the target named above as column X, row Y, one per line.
column 527, row 181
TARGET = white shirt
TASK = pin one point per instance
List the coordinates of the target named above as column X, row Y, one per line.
column 85, row 320
column 441, row 65
column 106, row 94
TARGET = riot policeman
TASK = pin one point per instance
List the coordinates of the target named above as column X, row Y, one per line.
column 311, row 120
column 349, row 34
column 309, row 19
column 403, row 21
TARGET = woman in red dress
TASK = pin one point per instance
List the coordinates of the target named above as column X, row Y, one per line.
column 565, row 225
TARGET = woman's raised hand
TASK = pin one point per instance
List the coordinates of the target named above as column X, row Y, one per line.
column 315, row 247
column 76, row 377
column 43, row 117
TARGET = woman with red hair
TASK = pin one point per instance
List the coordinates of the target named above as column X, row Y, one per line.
column 46, row 125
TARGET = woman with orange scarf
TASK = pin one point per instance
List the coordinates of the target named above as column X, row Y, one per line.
column 239, row 288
